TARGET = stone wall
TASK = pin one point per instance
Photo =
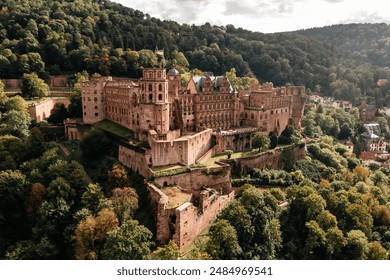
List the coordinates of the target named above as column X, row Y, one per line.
column 270, row 160
column 12, row 84
column 186, row 149
column 191, row 222
column 42, row 109
column 59, row 81
column 162, row 214
column 184, row 223
column 216, row 178
column 136, row 160
column 75, row 129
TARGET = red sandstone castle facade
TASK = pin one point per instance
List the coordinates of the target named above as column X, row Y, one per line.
column 182, row 123
column 187, row 125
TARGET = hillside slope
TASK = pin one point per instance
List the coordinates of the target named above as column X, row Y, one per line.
column 53, row 37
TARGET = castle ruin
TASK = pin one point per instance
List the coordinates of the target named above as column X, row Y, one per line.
column 173, row 127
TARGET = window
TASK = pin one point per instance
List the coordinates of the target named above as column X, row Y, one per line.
column 160, row 96
column 150, row 87
column 150, row 97
column 96, row 107
column 96, row 114
column 160, row 87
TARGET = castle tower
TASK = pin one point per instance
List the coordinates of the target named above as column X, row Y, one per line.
column 154, row 96
column 92, row 96
column 174, row 83
column 297, row 105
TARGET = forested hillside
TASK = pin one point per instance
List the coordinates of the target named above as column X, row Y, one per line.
column 366, row 42
column 53, row 37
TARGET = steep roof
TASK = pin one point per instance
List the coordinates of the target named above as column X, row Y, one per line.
column 216, row 80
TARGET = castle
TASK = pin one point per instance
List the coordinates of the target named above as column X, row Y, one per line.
column 174, row 127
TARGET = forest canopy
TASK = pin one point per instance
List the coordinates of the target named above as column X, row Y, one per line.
column 55, row 37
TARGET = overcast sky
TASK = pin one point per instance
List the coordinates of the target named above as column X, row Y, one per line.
column 265, row 15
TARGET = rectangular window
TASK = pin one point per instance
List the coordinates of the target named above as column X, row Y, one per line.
column 96, row 114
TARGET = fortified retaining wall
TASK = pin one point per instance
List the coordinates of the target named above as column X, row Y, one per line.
column 217, row 177
column 271, row 160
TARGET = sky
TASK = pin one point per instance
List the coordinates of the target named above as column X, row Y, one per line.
column 265, row 16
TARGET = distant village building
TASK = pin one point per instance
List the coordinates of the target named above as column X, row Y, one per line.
column 316, row 98
column 329, row 102
column 374, row 143
column 348, row 144
column 367, row 112
column 373, row 128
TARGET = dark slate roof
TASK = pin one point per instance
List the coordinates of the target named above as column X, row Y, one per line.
column 173, row 72
column 200, row 80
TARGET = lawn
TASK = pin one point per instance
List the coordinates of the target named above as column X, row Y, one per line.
column 115, row 129
column 211, row 161
column 176, row 197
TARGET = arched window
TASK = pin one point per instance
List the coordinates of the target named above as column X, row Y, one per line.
column 160, row 87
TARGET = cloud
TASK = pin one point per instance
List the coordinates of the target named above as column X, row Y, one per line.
column 333, row 1
column 263, row 8
column 239, row 8
column 366, row 17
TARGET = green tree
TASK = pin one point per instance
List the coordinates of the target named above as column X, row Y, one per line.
column 35, row 198
column 33, row 86
column 16, row 103
column 377, row 252
column 58, row 114
column 273, row 140
column 84, row 239
column 260, row 141
column 35, row 143
column 130, row 241
column 179, row 59
column 51, row 220
column 75, row 109
column 243, row 226
column 94, row 145
column 287, row 136
column 357, row 246
column 168, row 252
column 223, row 243
column 16, row 123
column 315, row 245
column 117, row 177
column 3, row 97
column 60, row 188
column 125, row 202
column 358, row 217
column 13, row 194
column 92, row 197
